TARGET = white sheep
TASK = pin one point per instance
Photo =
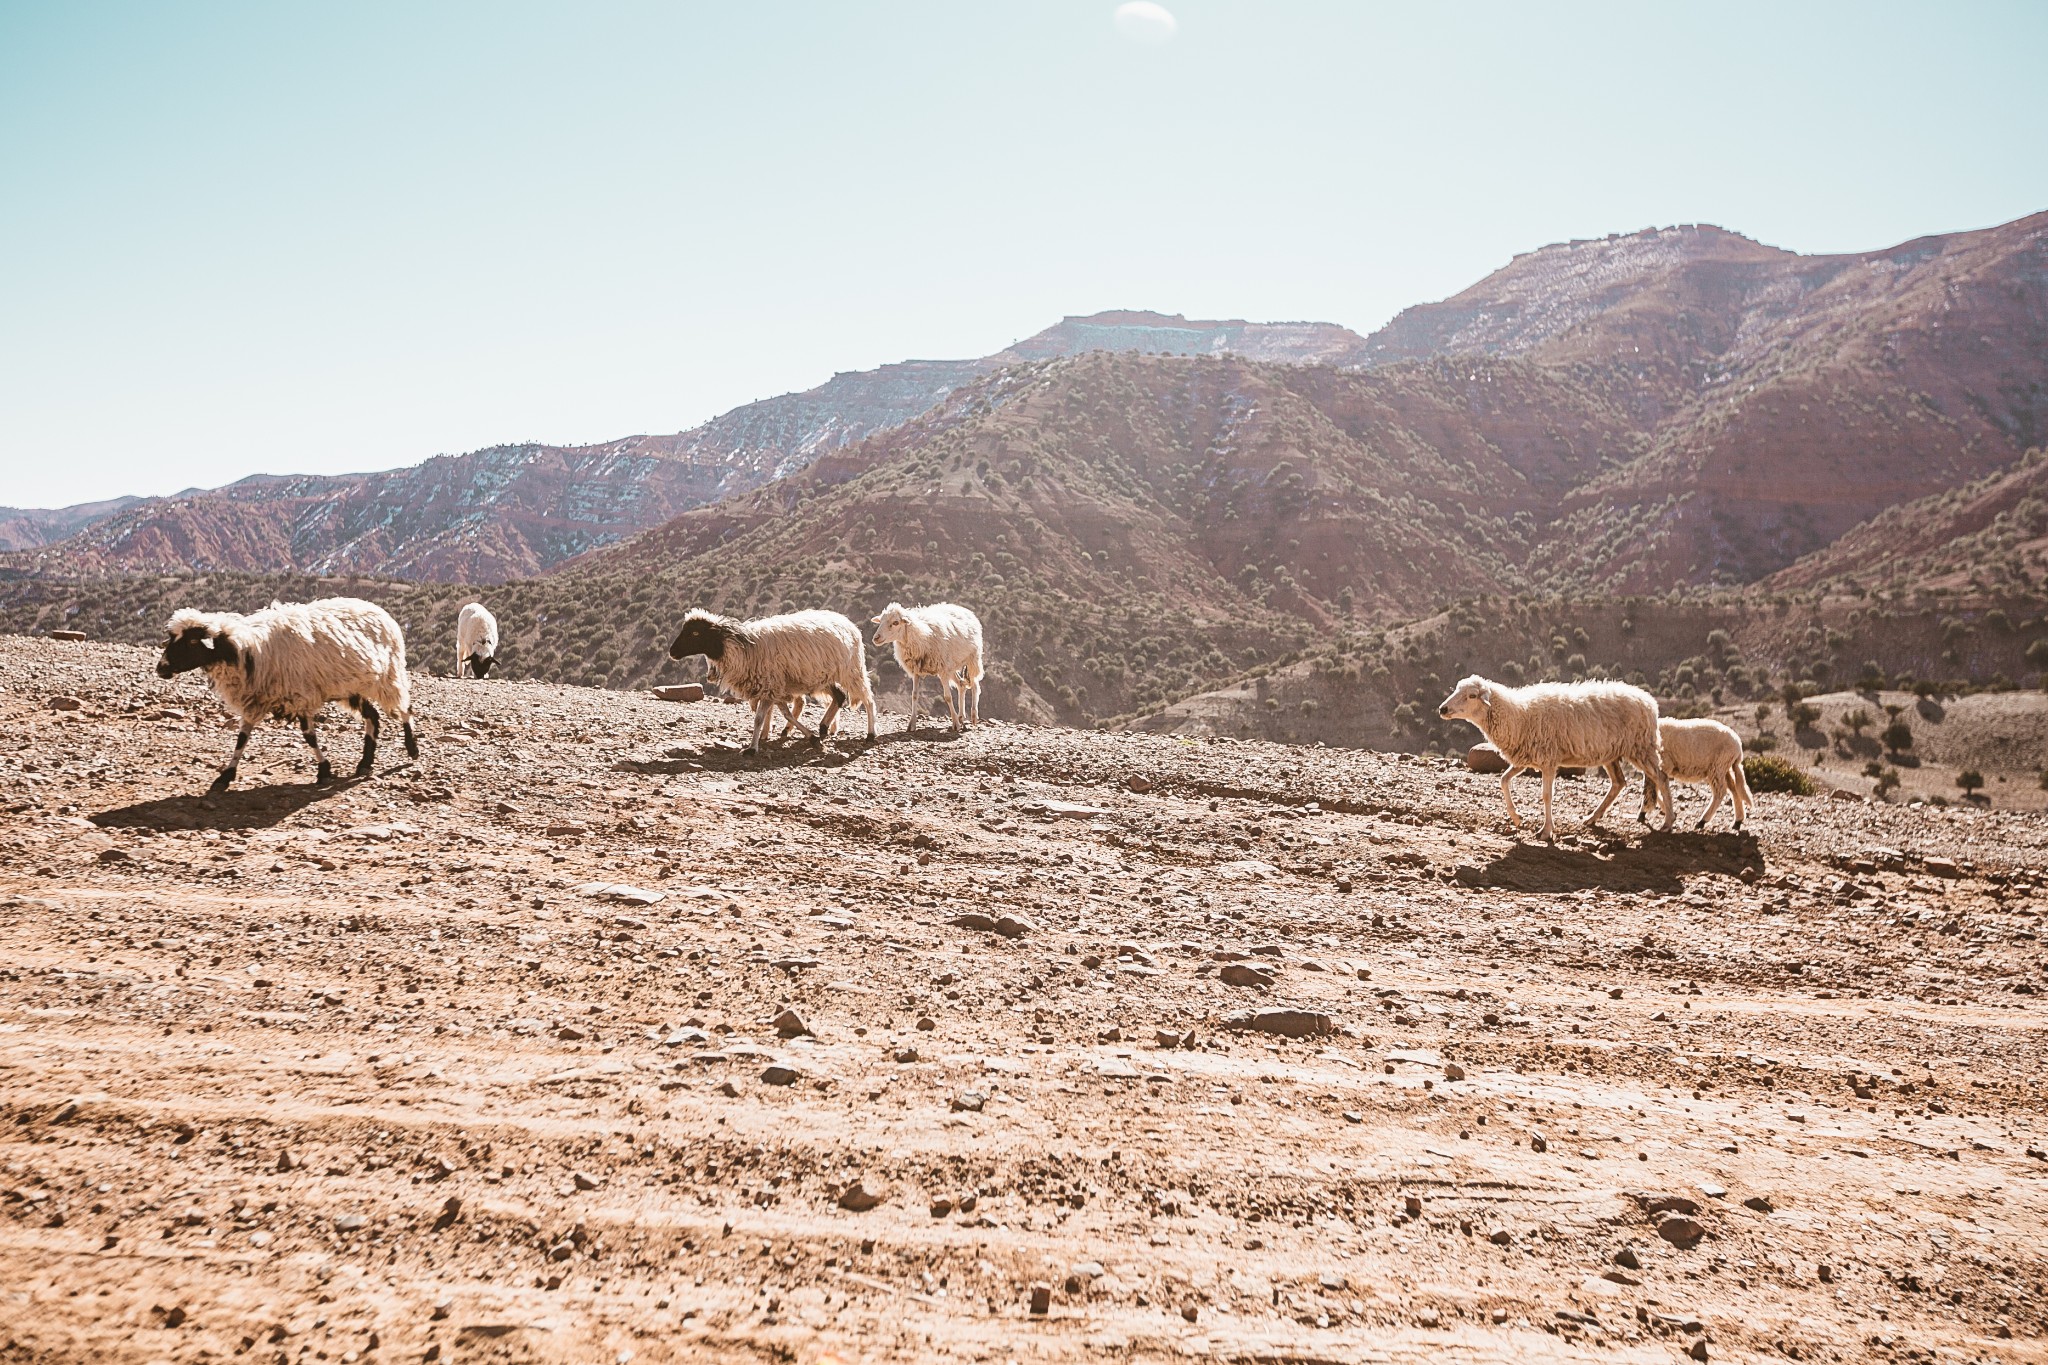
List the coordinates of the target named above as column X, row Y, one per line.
column 289, row 661
column 1564, row 725
column 476, row 640
column 942, row 641
column 1703, row 751
column 776, row 660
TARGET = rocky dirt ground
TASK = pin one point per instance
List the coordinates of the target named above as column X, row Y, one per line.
column 587, row 1039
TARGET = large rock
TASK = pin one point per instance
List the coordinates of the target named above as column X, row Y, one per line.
column 1287, row 1023
column 1484, row 758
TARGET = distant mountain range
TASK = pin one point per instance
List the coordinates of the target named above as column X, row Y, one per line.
column 25, row 528
column 514, row 510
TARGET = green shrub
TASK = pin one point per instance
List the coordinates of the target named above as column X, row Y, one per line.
column 1769, row 773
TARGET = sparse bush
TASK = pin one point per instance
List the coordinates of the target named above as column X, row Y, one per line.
column 1897, row 737
column 1971, row 781
column 1769, row 773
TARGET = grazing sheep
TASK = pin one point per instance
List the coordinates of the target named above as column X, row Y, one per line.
column 476, row 640
column 1564, row 725
column 1703, row 751
column 777, row 660
column 289, row 661
column 941, row 641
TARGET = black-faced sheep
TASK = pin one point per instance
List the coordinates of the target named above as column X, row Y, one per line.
column 1703, row 751
column 289, row 661
column 1564, row 725
column 476, row 641
column 776, row 660
column 940, row 641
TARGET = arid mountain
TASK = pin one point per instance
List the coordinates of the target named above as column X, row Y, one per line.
column 25, row 528
column 515, row 510
column 1782, row 399
column 1991, row 534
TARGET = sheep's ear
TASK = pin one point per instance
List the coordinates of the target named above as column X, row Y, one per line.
column 874, row 620
column 1486, row 694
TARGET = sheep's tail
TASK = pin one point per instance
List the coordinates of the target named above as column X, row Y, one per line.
column 1741, row 781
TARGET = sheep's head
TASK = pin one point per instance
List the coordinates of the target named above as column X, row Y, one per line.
column 195, row 640
column 889, row 625
column 1471, row 700
column 707, row 634
column 480, row 664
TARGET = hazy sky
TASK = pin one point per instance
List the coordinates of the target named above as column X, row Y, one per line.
column 278, row 236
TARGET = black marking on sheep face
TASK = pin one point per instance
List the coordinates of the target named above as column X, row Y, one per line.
column 199, row 647
column 705, row 634
column 480, row 665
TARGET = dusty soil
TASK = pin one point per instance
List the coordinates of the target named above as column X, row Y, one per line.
column 385, row 1071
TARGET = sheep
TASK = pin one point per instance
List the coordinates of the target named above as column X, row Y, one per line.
column 941, row 641
column 792, row 708
column 1556, row 725
column 777, row 660
column 476, row 640
column 289, row 661
column 1702, row 751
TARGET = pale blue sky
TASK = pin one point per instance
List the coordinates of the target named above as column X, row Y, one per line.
column 282, row 237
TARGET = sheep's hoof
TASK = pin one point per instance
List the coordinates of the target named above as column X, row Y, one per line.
column 325, row 777
column 221, row 783
column 364, row 769
column 1701, row 825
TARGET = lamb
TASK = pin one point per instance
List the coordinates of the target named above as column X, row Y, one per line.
column 1549, row 726
column 1703, row 751
column 476, row 640
column 941, row 641
column 775, row 660
column 289, row 661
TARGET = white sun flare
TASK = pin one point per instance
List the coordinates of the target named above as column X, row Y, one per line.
column 1141, row 21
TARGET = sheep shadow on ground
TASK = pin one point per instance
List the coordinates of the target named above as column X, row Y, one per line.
column 1659, row 863
column 244, row 808
column 722, row 758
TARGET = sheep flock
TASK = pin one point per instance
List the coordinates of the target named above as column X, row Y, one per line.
column 288, row 661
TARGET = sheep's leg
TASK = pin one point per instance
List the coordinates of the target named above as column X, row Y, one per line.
column 1738, row 793
column 947, row 682
column 412, row 743
column 793, row 713
column 829, row 722
column 764, row 716
column 1664, row 798
column 312, row 738
column 974, row 711
column 1643, row 815
column 1614, row 789
column 227, row 774
column 916, row 712
column 1719, row 782
column 1507, row 794
column 1549, row 825
column 372, row 724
